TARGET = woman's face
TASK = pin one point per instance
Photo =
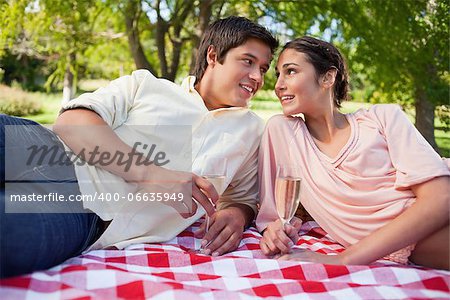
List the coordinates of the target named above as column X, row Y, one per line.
column 297, row 86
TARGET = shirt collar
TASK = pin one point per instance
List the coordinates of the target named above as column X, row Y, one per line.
column 188, row 85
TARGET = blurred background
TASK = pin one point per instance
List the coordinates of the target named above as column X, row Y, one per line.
column 53, row 50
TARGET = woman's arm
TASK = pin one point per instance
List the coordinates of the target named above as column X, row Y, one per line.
column 429, row 214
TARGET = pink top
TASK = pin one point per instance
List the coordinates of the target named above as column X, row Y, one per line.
column 361, row 189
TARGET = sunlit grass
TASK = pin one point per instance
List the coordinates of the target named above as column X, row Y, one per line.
column 51, row 106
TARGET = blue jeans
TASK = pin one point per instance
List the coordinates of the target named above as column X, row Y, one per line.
column 46, row 237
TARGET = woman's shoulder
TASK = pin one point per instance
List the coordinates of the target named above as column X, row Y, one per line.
column 382, row 113
column 379, row 109
column 283, row 121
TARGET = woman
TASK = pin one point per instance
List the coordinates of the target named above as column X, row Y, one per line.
column 368, row 178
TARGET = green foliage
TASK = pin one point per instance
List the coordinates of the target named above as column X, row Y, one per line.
column 443, row 113
column 406, row 48
column 55, row 31
column 15, row 102
column 28, row 71
column 397, row 50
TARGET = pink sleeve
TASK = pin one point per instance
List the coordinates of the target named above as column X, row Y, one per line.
column 267, row 171
column 412, row 156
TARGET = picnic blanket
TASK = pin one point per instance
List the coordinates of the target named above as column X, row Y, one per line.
column 173, row 271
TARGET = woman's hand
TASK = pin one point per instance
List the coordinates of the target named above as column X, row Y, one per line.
column 310, row 256
column 277, row 239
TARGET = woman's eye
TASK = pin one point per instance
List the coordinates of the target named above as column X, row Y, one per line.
column 290, row 71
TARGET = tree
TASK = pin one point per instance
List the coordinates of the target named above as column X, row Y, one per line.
column 132, row 13
column 399, row 47
column 58, row 30
column 173, row 28
column 406, row 43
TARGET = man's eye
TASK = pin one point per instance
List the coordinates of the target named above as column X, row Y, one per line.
column 263, row 70
column 248, row 61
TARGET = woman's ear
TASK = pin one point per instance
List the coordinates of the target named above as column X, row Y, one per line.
column 329, row 78
column 211, row 55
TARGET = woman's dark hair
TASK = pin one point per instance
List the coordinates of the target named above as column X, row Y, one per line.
column 228, row 33
column 324, row 56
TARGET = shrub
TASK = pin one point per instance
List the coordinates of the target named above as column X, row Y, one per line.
column 15, row 102
column 443, row 113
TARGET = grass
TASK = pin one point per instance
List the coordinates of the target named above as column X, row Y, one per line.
column 50, row 108
column 264, row 105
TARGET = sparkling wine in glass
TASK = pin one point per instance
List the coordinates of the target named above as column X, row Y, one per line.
column 214, row 170
column 287, row 191
column 217, row 181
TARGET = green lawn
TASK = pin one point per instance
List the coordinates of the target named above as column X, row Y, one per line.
column 262, row 105
column 50, row 107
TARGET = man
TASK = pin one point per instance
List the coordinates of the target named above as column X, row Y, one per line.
column 134, row 111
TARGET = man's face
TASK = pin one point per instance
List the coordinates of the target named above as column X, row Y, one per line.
column 234, row 82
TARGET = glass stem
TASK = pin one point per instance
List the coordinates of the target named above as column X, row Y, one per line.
column 207, row 223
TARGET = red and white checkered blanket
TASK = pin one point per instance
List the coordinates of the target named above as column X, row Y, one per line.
column 172, row 271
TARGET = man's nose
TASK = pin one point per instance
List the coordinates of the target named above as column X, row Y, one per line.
column 256, row 75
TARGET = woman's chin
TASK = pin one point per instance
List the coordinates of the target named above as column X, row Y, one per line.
column 289, row 111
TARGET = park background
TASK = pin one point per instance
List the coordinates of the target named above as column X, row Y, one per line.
column 53, row 50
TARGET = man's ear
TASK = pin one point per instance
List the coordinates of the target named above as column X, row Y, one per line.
column 329, row 78
column 211, row 55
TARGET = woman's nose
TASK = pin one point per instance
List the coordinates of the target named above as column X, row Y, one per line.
column 279, row 85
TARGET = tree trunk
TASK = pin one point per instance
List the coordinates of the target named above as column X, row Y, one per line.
column 177, row 40
column 161, row 30
column 131, row 14
column 69, row 87
column 172, row 73
column 424, row 120
column 160, row 36
column 203, row 22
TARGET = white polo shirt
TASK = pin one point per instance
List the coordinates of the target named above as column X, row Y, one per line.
column 158, row 106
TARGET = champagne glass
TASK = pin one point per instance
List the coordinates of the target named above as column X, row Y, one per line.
column 287, row 191
column 214, row 170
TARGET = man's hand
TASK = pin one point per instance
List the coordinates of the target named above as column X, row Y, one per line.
column 168, row 181
column 225, row 231
column 277, row 239
column 204, row 193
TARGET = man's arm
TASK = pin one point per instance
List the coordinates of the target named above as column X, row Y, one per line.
column 84, row 130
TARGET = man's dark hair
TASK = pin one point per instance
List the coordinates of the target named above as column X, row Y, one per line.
column 228, row 33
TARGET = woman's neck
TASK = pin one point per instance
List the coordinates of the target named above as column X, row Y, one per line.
column 330, row 132
column 323, row 127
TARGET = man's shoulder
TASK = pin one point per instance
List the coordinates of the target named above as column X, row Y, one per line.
column 252, row 119
column 147, row 77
